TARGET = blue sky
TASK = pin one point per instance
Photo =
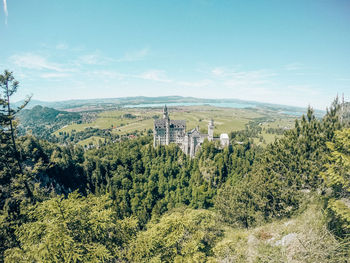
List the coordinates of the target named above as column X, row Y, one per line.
column 287, row 52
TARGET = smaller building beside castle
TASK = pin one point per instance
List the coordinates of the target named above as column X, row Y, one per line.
column 344, row 112
column 168, row 131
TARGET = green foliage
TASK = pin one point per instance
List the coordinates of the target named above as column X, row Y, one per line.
column 14, row 187
column 241, row 204
column 76, row 229
column 146, row 181
column 337, row 177
column 290, row 166
column 42, row 121
column 55, row 168
column 302, row 238
column 184, row 235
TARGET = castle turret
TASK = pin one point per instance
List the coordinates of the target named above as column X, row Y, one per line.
column 342, row 110
column 167, row 125
column 211, row 130
column 165, row 112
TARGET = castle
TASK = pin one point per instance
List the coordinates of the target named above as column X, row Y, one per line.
column 168, row 131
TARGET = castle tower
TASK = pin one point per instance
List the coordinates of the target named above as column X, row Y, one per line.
column 165, row 112
column 167, row 125
column 342, row 110
column 211, row 130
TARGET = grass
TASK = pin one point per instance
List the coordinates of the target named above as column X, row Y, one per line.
column 91, row 140
column 226, row 120
column 301, row 239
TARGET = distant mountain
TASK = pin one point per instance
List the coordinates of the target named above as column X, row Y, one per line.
column 108, row 103
column 32, row 103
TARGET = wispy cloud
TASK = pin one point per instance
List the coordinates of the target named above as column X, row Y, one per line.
column 294, row 66
column 5, row 11
column 38, row 62
column 242, row 79
column 218, row 72
column 239, row 74
column 195, row 84
column 110, row 74
column 155, row 75
column 95, row 58
column 134, row 55
column 62, row 46
column 57, row 75
column 90, row 59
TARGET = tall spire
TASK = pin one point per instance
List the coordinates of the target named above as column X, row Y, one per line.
column 165, row 112
column 211, row 130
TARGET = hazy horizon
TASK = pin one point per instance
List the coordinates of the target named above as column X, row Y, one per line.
column 239, row 100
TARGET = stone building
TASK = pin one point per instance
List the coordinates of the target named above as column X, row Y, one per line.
column 224, row 140
column 344, row 112
column 168, row 131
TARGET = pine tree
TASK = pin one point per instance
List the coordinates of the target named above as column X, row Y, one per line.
column 337, row 177
column 9, row 86
column 14, row 188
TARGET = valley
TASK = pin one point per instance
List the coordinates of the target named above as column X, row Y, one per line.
column 93, row 126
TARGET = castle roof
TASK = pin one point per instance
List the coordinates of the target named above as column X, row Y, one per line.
column 194, row 132
column 173, row 123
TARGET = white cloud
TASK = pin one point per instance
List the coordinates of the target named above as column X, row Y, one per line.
column 229, row 73
column 62, row 46
column 95, row 58
column 155, row 75
column 110, row 74
column 305, row 89
column 34, row 61
column 294, row 66
column 91, row 59
column 135, row 55
column 242, row 79
column 54, row 75
column 218, row 72
column 5, row 11
column 195, row 84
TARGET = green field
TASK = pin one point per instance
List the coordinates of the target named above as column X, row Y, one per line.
column 226, row 120
column 130, row 120
column 92, row 140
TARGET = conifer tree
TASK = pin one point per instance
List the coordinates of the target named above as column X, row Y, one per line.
column 337, row 177
column 8, row 87
column 13, row 178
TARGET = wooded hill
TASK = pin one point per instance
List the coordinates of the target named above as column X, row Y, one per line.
column 42, row 121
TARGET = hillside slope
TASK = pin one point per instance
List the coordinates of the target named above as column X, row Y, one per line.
column 42, row 121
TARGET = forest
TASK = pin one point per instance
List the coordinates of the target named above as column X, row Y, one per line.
column 126, row 201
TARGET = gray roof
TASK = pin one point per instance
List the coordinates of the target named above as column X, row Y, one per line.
column 175, row 123
column 194, row 132
column 178, row 123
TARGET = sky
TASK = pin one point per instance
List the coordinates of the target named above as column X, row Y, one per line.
column 293, row 52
